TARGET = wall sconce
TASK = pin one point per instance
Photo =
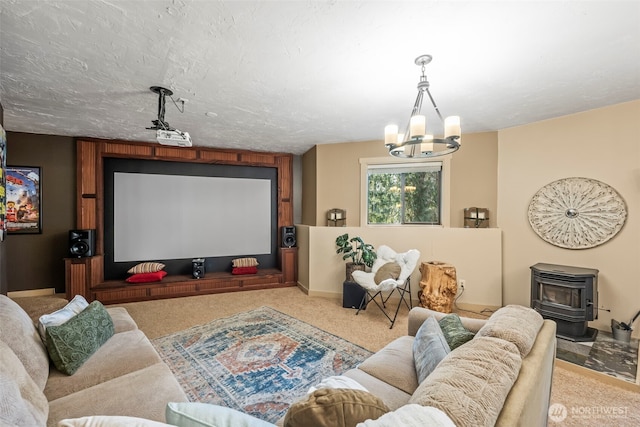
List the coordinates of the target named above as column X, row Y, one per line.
column 476, row 218
column 337, row 218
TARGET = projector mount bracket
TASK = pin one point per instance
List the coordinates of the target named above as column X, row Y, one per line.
column 160, row 123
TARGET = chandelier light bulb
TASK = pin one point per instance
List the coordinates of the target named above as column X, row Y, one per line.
column 417, row 126
column 452, row 126
column 390, row 134
column 427, row 144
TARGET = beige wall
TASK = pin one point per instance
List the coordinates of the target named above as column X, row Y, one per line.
column 474, row 177
column 602, row 144
column 476, row 254
column 335, row 170
column 337, row 177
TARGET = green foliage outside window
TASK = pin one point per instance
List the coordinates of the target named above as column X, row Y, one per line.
column 404, row 197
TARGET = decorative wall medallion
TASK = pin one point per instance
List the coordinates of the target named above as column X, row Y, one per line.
column 577, row 213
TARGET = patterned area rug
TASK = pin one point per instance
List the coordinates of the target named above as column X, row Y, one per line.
column 258, row 362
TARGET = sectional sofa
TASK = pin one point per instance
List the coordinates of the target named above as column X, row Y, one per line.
column 125, row 376
column 502, row 376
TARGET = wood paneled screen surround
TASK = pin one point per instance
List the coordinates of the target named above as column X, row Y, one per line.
column 85, row 276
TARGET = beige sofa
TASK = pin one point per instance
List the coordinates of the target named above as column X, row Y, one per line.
column 124, row 377
column 501, row 377
column 390, row 373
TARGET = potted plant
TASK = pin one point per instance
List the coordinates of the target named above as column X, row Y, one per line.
column 362, row 254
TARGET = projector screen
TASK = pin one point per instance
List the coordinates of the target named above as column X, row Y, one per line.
column 173, row 212
column 170, row 216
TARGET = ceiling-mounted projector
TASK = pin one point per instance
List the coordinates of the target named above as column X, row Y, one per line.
column 174, row 137
column 165, row 134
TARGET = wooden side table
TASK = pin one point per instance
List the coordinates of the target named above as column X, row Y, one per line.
column 439, row 286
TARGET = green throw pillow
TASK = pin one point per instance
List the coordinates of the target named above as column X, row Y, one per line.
column 72, row 343
column 454, row 332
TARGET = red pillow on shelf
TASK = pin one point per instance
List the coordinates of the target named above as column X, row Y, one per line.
column 147, row 277
column 244, row 270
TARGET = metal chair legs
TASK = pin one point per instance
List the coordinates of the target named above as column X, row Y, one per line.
column 367, row 298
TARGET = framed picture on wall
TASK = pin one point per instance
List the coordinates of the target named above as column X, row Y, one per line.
column 24, row 200
column 3, row 184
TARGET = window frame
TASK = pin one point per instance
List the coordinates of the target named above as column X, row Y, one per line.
column 445, row 196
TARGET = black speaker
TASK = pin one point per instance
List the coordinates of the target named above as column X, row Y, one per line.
column 82, row 243
column 198, row 268
column 288, row 237
column 352, row 295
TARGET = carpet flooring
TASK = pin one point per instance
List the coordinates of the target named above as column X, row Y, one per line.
column 257, row 362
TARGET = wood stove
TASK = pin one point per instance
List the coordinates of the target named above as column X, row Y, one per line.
column 567, row 295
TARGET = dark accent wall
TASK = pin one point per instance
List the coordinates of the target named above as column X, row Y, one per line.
column 35, row 261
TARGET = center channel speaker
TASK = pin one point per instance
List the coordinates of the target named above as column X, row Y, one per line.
column 288, row 237
column 198, row 268
column 82, row 243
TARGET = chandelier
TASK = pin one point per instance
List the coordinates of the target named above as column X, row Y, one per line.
column 417, row 141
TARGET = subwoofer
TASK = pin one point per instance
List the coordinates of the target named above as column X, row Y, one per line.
column 353, row 295
column 288, row 237
column 82, row 243
column 198, row 268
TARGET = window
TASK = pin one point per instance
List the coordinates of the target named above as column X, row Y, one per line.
column 404, row 193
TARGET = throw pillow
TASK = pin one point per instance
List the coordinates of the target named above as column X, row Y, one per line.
column 192, row 414
column 412, row 415
column 454, row 332
column 110, row 421
column 146, row 267
column 472, row 383
column 22, row 402
column 337, row 381
column 335, row 407
column 429, row 348
column 390, row 270
column 244, row 262
column 72, row 343
column 394, row 365
column 244, row 270
column 146, row 277
column 18, row 331
column 516, row 324
column 75, row 306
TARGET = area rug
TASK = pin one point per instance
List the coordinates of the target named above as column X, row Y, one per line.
column 257, row 362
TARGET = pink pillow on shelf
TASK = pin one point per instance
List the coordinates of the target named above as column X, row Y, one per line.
column 147, row 277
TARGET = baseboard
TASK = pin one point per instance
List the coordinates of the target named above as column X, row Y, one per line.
column 302, row 288
column 32, row 293
column 338, row 295
column 478, row 309
column 334, row 295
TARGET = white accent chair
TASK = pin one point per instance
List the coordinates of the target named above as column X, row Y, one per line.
column 407, row 262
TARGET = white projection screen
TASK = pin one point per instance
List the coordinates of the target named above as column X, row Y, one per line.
column 158, row 217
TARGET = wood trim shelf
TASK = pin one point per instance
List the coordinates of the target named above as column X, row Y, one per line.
column 114, row 291
column 85, row 276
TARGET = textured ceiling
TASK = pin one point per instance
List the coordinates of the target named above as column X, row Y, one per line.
column 286, row 75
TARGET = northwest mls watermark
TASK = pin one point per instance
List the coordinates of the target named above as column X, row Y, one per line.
column 558, row 412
